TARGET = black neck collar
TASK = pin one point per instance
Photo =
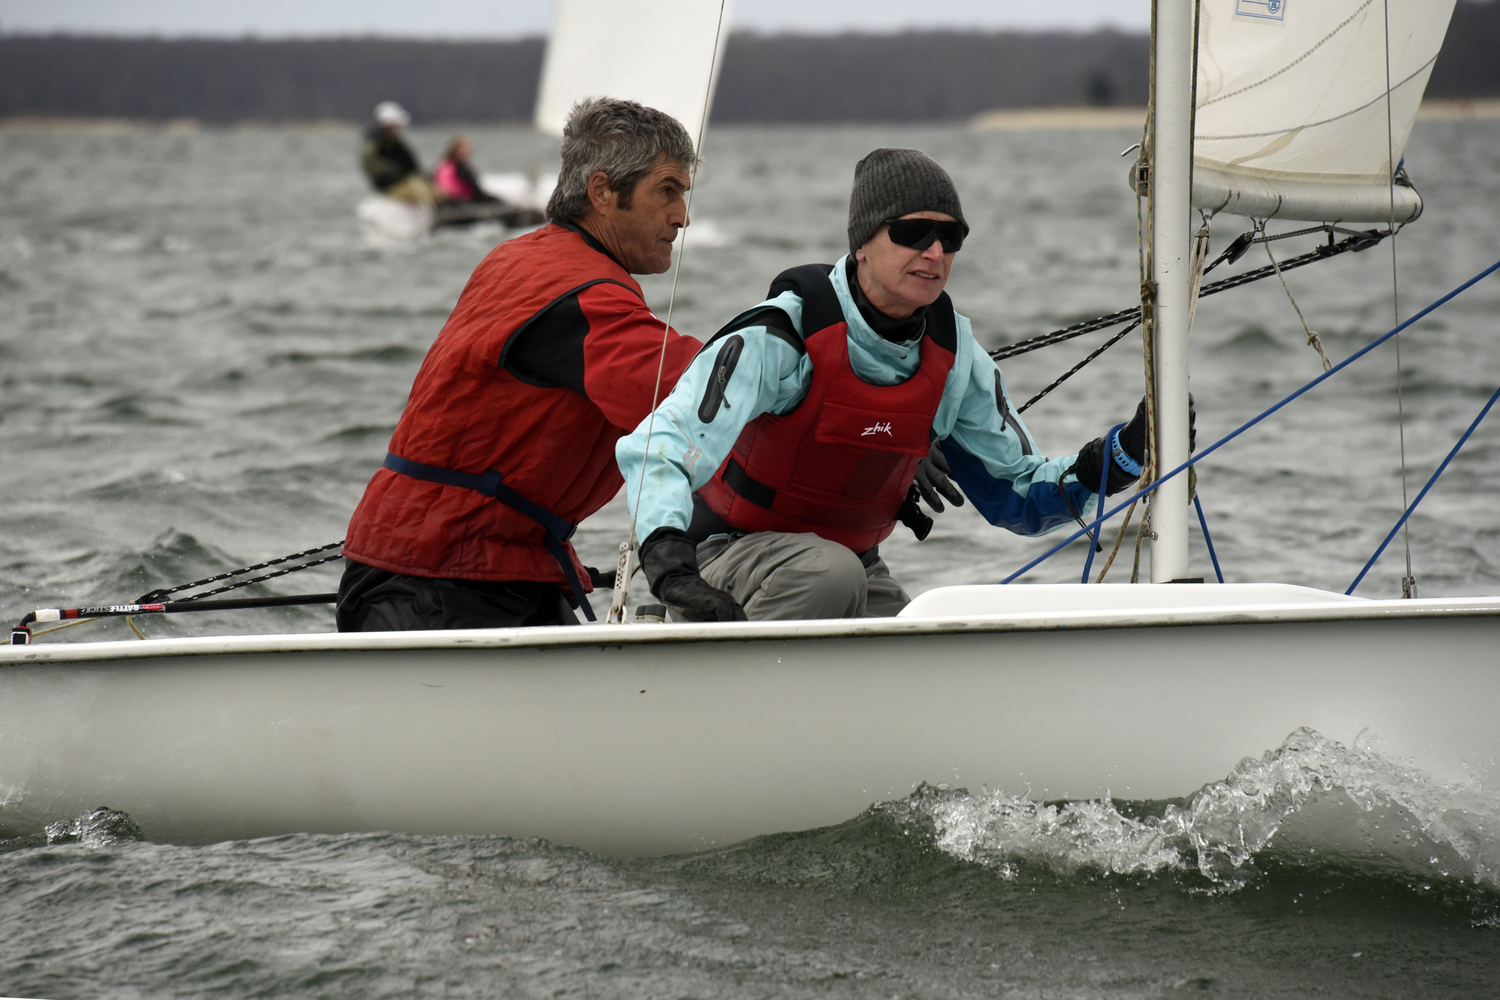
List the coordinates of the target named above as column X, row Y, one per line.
column 588, row 238
column 897, row 331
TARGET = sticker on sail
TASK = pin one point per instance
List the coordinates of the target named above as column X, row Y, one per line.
column 1260, row 11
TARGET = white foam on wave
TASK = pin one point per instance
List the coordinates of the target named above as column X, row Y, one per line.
column 1311, row 797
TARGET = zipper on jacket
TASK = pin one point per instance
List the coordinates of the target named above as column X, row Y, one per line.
column 718, row 384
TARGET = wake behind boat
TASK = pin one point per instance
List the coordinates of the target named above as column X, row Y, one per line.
column 395, row 218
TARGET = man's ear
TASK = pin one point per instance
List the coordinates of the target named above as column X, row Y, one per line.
column 601, row 195
column 860, row 255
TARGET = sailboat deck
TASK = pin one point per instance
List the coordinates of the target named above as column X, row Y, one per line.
column 945, row 611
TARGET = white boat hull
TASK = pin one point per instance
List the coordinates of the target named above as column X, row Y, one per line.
column 657, row 739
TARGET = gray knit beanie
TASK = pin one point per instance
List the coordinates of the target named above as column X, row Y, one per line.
column 890, row 183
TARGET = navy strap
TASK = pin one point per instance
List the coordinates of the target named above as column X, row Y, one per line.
column 488, row 483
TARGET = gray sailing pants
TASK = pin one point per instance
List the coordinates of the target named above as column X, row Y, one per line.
column 779, row 576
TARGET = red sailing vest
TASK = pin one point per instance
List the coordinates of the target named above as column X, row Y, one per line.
column 842, row 462
column 468, row 414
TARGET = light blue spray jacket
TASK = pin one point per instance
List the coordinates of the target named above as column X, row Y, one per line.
column 992, row 454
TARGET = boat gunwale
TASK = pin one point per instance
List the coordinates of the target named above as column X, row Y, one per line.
column 605, row 635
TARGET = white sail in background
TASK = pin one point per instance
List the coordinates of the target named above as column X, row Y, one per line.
column 657, row 52
column 1291, row 119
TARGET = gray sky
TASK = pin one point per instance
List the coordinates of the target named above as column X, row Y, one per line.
column 506, row 18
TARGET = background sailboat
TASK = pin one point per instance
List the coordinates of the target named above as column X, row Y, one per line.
column 666, row 55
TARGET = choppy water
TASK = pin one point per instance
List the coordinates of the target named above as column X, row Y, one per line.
column 202, row 356
column 1314, row 870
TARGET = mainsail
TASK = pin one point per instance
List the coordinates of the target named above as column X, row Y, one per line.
column 661, row 53
column 1292, row 109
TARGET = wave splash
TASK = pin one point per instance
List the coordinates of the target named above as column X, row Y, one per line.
column 102, row 827
column 1310, row 801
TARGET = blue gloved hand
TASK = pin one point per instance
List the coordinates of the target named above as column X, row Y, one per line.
column 1132, row 439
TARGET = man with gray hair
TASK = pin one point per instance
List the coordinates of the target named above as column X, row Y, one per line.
column 793, row 444
column 550, row 355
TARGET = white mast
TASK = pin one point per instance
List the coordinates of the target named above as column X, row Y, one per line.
column 1171, row 265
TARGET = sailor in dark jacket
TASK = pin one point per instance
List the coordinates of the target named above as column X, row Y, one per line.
column 389, row 162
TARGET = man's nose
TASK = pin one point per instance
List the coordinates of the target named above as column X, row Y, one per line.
column 934, row 250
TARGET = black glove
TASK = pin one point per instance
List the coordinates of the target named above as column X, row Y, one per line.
column 933, row 482
column 1133, row 434
column 911, row 514
column 602, row 580
column 1133, row 442
column 670, row 560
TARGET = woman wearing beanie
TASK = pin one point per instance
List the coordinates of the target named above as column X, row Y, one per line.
column 790, row 448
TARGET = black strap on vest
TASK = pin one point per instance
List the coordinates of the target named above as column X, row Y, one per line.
column 821, row 308
column 557, row 530
column 814, row 286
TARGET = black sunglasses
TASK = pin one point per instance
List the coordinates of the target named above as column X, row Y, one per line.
column 919, row 233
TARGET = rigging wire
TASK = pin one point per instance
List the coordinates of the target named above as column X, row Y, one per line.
column 1208, row 539
column 1409, row 581
column 1264, row 414
column 623, row 573
column 156, row 595
column 1356, row 241
column 254, row 579
column 1406, row 514
column 1111, row 342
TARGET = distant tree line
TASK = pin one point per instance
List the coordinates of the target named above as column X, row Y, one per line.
column 916, row 76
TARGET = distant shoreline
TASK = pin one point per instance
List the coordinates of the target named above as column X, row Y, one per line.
column 1026, row 119
column 998, row 120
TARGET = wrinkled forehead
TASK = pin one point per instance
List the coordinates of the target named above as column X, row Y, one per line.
column 668, row 171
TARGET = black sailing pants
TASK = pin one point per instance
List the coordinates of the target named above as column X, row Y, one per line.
column 377, row 600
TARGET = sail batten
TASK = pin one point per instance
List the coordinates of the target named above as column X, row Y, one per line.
column 1300, row 116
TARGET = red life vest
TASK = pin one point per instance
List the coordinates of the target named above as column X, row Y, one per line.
column 841, row 463
column 468, row 414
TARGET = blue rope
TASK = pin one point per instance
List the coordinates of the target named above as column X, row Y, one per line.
column 1106, row 515
column 1088, row 564
column 1207, row 538
column 1461, row 441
